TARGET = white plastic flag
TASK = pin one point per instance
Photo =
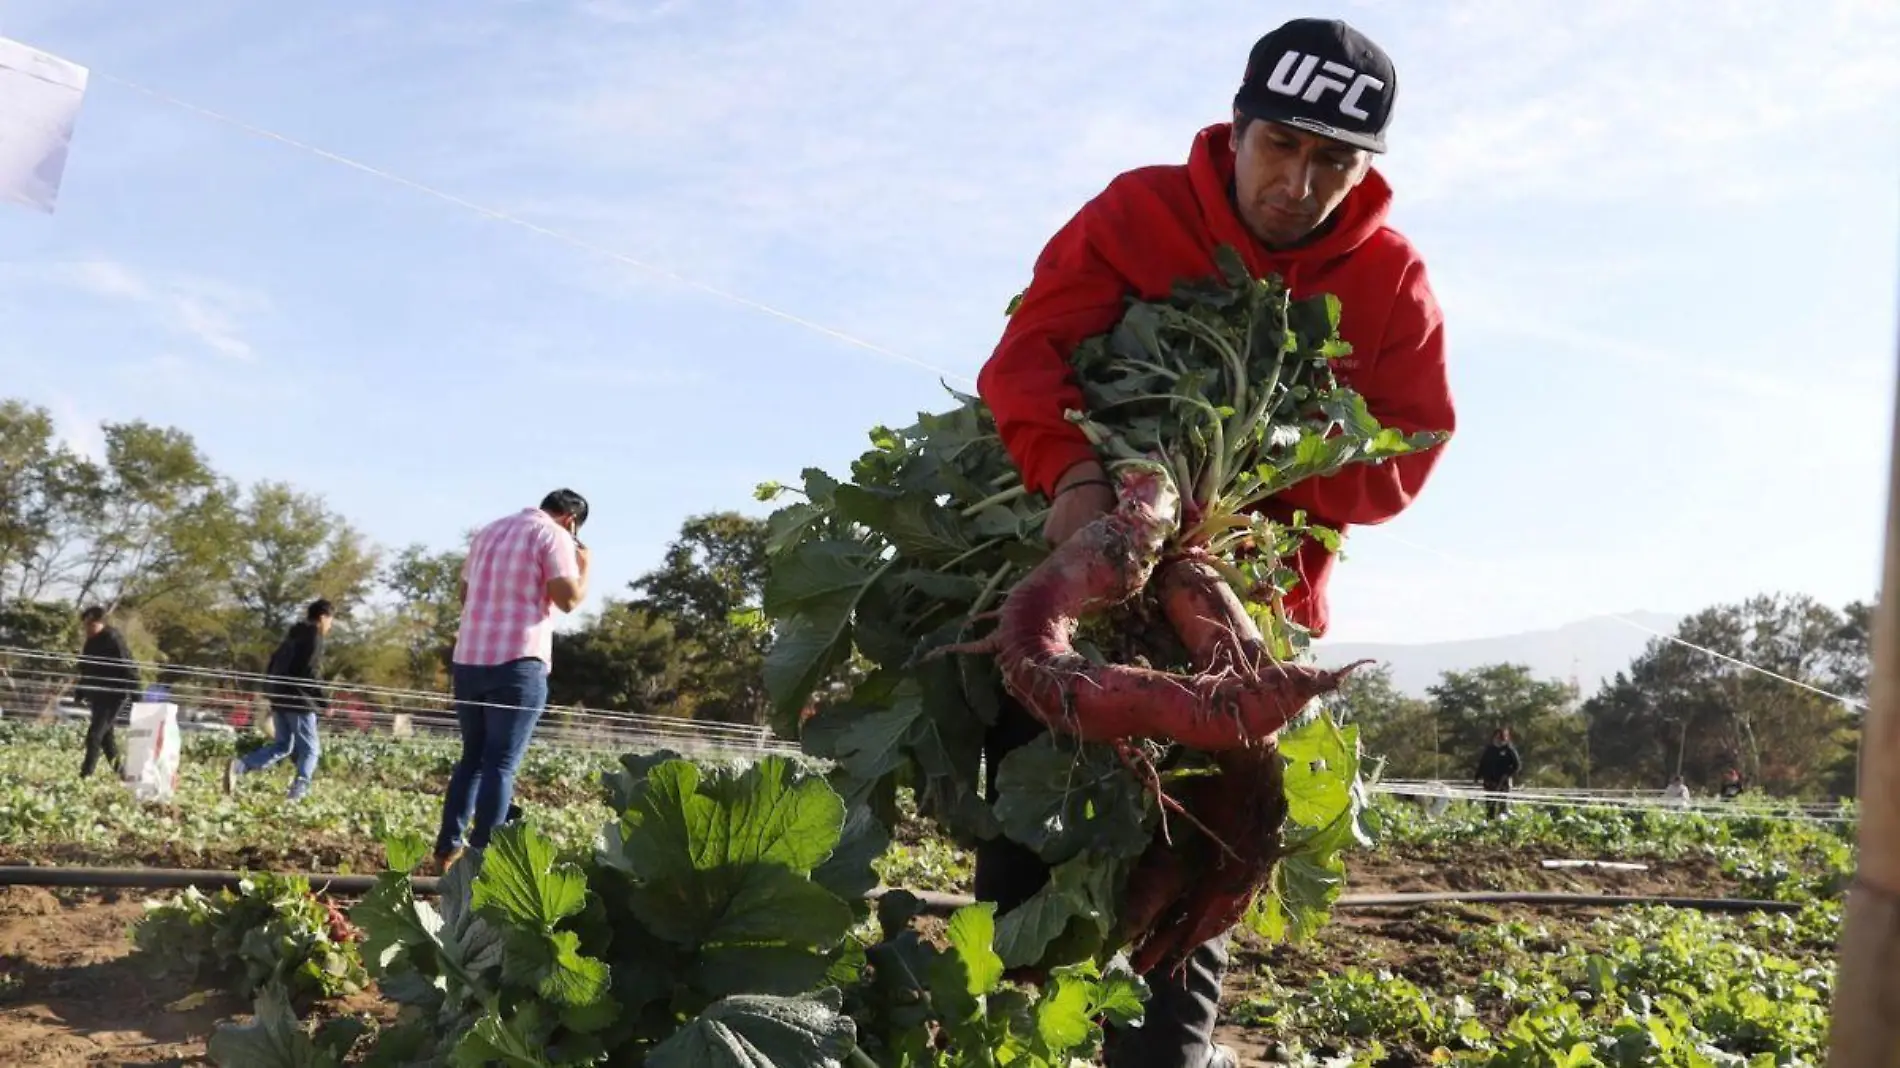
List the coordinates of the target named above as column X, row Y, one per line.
column 39, row 103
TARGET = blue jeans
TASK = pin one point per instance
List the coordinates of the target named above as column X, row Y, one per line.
column 497, row 707
column 295, row 737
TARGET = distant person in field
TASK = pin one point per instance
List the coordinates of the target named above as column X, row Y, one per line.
column 1732, row 786
column 108, row 680
column 295, row 689
column 1677, row 792
column 1497, row 766
column 521, row 569
column 1286, row 179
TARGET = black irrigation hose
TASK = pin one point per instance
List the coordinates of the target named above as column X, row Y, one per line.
column 178, row 879
column 934, row 903
column 1543, row 897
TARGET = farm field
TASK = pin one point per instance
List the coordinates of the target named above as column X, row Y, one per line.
column 1503, row 985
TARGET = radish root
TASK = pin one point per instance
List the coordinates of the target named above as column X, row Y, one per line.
column 1225, row 705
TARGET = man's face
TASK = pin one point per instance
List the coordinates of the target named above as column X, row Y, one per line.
column 323, row 624
column 92, row 627
column 1288, row 181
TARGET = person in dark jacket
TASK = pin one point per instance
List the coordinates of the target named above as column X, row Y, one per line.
column 296, row 696
column 1497, row 766
column 108, row 680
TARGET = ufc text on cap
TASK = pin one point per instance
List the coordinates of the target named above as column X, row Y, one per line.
column 1310, row 78
column 1324, row 76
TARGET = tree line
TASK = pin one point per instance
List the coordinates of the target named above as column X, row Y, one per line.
column 200, row 571
column 203, row 572
column 1675, row 710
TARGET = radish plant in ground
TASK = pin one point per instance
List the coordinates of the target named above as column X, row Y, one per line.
column 269, row 931
column 1155, row 643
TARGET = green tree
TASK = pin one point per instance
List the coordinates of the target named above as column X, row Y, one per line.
column 1393, row 727
column 30, row 683
column 45, row 492
column 157, row 521
column 708, row 590
column 625, row 659
column 1850, row 651
column 428, row 613
column 1468, row 706
column 1681, row 708
column 292, row 550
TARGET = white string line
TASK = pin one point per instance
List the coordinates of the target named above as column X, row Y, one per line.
column 441, row 719
column 248, row 678
column 1657, row 801
column 498, row 215
column 556, row 720
column 554, row 730
column 1703, row 808
column 1651, row 800
column 331, row 686
column 1848, row 701
column 1605, row 796
column 578, row 736
column 747, row 302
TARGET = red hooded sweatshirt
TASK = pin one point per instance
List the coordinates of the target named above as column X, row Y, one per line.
column 1153, row 226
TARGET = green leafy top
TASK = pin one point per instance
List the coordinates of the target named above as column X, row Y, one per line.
column 1227, row 385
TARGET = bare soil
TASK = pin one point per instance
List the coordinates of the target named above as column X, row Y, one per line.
column 72, row 994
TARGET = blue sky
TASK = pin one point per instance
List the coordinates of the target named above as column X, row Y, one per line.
column 1665, row 243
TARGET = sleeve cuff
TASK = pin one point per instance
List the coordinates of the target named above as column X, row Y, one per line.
column 1052, row 456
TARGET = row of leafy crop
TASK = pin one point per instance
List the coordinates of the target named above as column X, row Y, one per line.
column 704, row 928
column 367, row 789
column 372, row 789
column 1771, row 856
column 1657, row 987
column 346, row 756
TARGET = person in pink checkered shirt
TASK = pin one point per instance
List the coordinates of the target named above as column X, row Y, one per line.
column 520, row 570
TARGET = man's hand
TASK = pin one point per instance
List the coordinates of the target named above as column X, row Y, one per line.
column 1083, row 495
column 583, row 555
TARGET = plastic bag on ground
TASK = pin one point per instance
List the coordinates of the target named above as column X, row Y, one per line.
column 152, row 751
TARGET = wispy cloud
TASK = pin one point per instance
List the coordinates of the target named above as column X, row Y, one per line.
column 208, row 312
column 1617, row 97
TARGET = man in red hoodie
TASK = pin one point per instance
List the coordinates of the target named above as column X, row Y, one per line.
column 1289, row 183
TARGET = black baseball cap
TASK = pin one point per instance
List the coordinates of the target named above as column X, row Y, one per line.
column 1322, row 76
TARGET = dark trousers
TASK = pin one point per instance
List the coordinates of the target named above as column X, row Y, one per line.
column 1177, row 1031
column 99, row 734
column 497, row 707
column 1494, row 806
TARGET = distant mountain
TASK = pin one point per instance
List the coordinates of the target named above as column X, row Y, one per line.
column 1595, row 649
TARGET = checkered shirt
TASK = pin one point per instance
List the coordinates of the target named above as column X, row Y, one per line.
column 508, row 614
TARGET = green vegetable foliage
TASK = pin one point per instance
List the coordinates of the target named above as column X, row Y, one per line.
column 269, row 931
column 1228, row 387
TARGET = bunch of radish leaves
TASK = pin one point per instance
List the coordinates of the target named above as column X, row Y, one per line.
column 1228, row 383
column 270, row 930
column 721, row 923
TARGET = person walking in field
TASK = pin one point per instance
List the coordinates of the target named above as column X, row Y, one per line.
column 1289, row 184
column 108, row 680
column 1497, row 766
column 295, row 689
column 521, row 569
